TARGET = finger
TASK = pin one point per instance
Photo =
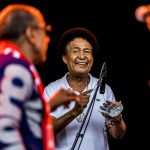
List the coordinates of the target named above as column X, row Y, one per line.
column 74, row 98
column 108, row 102
column 105, row 105
column 105, row 115
column 114, row 104
column 69, row 95
column 83, row 103
column 119, row 102
column 87, row 92
column 103, row 108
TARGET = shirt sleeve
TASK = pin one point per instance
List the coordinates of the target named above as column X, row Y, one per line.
column 46, row 94
column 49, row 91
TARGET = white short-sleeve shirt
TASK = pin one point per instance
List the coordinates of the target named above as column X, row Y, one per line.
column 95, row 137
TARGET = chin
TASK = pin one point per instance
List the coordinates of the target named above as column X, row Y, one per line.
column 44, row 59
column 39, row 60
column 83, row 71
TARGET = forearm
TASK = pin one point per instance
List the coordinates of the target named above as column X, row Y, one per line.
column 118, row 129
column 60, row 123
column 55, row 104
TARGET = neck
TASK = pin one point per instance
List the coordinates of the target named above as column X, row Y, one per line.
column 26, row 50
column 78, row 83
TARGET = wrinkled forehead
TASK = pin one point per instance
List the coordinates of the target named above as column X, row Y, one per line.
column 79, row 42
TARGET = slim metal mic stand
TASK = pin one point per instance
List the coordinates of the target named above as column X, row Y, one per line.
column 89, row 110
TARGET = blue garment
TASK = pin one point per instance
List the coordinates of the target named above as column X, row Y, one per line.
column 20, row 106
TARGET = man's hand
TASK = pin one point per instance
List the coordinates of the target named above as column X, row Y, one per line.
column 63, row 96
column 111, row 109
column 112, row 112
column 83, row 101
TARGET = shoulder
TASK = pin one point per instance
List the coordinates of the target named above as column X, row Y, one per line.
column 16, row 76
column 54, row 86
column 7, row 59
column 15, row 66
column 94, row 81
column 109, row 94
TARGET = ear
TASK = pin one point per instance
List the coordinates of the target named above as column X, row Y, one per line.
column 31, row 35
column 64, row 59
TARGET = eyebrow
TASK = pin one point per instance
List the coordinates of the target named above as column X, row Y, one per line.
column 83, row 48
column 86, row 49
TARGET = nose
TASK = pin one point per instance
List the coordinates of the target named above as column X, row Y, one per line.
column 81, row 55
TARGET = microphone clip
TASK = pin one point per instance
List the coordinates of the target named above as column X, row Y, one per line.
column 102, row 78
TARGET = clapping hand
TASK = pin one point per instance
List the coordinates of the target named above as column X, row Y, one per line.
column 112, row 112
column 64, row 97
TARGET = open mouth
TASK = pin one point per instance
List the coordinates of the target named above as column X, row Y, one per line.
column 81, row 64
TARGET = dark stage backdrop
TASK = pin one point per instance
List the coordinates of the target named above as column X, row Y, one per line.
column 124, row 45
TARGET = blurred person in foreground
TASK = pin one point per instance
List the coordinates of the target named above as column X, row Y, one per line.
column 78, row 47
column 24, row 112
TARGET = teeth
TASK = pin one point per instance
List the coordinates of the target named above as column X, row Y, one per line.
column 81, row 63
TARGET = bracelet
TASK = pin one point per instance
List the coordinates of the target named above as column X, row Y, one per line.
column 117, row 120
column 113, row 121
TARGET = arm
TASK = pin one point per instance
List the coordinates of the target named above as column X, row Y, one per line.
column 62, row 96
column 61, row 122
column 115, row 124
column 118, row 127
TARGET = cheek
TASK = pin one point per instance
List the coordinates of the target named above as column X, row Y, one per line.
column 39, row 43
column 70, row 59
column 90, row 59
column 91, row 62
column 45, row 43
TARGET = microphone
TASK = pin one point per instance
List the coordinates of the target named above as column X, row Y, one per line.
column 142, row 14
column 102, row 78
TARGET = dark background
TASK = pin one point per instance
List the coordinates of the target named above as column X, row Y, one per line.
column 124, row 45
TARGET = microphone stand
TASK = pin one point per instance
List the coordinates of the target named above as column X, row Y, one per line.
column 90, row 108
column 100, row 84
